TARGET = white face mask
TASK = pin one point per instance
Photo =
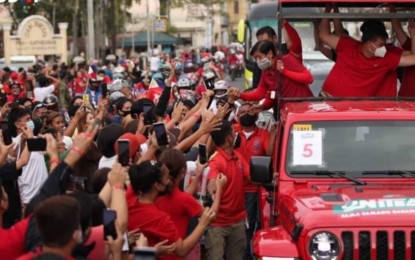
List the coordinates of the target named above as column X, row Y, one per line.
column 30, row 124
column 264, row 64
column 380, row 52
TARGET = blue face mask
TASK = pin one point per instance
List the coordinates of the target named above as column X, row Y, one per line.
column 30, row 124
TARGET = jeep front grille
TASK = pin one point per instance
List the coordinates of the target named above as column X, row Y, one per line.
column 375, row 245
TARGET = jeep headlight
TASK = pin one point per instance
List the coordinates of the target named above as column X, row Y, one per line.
column 324, row 246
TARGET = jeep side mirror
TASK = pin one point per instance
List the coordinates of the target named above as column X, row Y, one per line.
column 261, row 169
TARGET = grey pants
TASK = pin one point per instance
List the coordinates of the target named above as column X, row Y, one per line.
column 229, row 242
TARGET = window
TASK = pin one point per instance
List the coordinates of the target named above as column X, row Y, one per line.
column 236, row 7
column 358, row 146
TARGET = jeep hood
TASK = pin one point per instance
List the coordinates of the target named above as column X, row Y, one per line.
column 350, row 205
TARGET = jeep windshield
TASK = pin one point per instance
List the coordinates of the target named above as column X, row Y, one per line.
column 357, row 148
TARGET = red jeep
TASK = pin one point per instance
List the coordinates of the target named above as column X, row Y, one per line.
column 341, row 183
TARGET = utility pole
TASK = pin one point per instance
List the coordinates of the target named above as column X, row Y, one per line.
column 148, row 32
column 75, row 23
column 91, row 32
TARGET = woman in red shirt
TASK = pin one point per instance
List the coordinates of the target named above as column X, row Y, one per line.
column 295, row 77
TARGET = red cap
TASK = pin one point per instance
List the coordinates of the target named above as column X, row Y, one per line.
column 140, row 138
column 14, row 75
column 134, row 143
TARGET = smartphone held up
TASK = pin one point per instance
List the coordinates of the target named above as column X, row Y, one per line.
column 161, row 134
column 124, row 152
column 109, row 217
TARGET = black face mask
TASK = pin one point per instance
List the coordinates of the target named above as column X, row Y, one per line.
column 125, row 112
column 247, row 120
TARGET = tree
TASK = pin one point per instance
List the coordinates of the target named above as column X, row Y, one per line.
column 110, row 17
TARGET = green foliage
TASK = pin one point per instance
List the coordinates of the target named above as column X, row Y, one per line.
column 64, row 10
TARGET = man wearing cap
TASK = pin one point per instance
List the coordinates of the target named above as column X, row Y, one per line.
column 134, row 146
column 94, row 89
column 15, row 92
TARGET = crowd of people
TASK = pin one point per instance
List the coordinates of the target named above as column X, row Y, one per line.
column 110, row 161
column 154, row 150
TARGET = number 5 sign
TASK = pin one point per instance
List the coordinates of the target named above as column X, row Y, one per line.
column 307, row 148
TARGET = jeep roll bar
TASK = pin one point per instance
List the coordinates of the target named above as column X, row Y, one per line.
column 289, row 9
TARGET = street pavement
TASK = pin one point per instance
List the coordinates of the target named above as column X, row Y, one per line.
column 239, row 82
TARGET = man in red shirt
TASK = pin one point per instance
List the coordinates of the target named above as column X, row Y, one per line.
column 58, row 222
column 254, row 142
column 408, row 79
column 227, row 234
column 363, row 67
column 149, row 180
column 16, row 92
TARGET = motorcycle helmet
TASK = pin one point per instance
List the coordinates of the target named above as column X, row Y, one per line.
column 209, row 78
column 189, row 67
column 184, row 82
column 221, row 88
column 118, row 75
column 51, row 102
column 165, row 70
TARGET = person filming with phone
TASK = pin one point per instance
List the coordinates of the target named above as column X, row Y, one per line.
column 149, row 180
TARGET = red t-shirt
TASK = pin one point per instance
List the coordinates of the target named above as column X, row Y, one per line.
column 38, row 252
column 107, row 79
column 389, row 85
column 155, row 224
column 181, row 206
column 408, row 80
column 256, row 145
column 97, row 237
column 232, row 59
column 11, row 98
column 77, row 85
column 12, row 240
column 269, row 82
column 355, row 75
column 236, row 170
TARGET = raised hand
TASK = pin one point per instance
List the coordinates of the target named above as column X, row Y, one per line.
column 177, row 114
column 117, row 176
column 280, row 65
column 163, row 248
column 209, row 122
column 207, row 217
column 223, row 111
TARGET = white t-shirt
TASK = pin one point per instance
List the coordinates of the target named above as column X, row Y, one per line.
column 34, row 174
column 67, row 141
column 154, row 63
column 191, row 172
column 219, row 55
column 41, row 93
column 106, row 162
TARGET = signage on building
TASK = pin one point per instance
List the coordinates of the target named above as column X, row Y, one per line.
column 20, row 1
column 35, row 36
column 160, row 25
